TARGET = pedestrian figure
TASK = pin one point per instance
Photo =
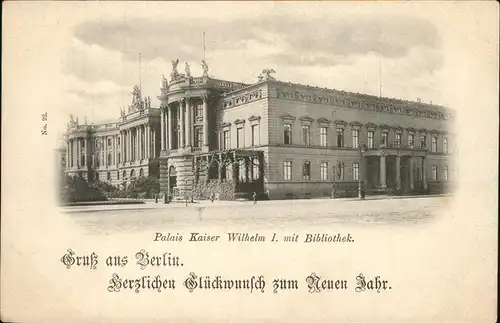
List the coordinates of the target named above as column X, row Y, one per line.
column 362, row 194
column 254, row 198
column 212, row 197
column 156, row 198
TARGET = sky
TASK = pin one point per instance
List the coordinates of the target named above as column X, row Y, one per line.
column 86, row 55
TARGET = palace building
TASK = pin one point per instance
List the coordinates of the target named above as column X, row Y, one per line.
column 116, row 152
column 278, row 139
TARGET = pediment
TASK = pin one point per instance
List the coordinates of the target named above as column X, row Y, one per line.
column 306, row 119
column 254, row 118
column 370, row 125
column 239, row 121
column 323, row 120
column 288, row 117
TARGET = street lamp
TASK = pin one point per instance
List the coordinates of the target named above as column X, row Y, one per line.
column 361, row 152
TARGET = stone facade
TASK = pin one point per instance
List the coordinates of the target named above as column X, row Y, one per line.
column 277, row 139
column 310, row 139
column 116, row 152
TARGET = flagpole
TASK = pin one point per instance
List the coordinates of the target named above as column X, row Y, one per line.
column 204, row 58
column 380, row 79
column 140, row 72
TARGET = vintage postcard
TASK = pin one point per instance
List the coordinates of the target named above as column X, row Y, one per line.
column 249, row 161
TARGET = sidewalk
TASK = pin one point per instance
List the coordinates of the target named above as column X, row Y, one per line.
column 150, row 203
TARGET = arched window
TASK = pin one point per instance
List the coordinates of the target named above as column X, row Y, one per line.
column 109, row 176
column 124, row 174
column 141, row 172
column 132, row 174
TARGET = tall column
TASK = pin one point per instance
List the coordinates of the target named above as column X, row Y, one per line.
column 170, row 131
column 137, row 141
column 424, row 172
column 162, row 129
column 220, row 167
column 398, row 172
column 181, row 125
column 78, row 162
column 67, row 155
column 188, row 123
column 412, row 173
column 105, row 148
column 129, row 144
column 247, row 169
column 153, row 142
column 148, row 141
column 383, row 182
column 205, row 120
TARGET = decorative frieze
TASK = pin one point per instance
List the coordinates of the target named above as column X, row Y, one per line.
column 242, row 98
column 360, row 104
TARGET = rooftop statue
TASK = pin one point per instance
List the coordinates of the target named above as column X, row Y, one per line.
column 266, row 73
column 188, row 70
column 122, row 113
column 175, row 74
column 164, row 82
column 204, row 66
column 136, row 94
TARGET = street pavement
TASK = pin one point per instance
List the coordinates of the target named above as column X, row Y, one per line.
column 105, row 219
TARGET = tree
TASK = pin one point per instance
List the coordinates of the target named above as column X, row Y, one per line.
column 77, row 189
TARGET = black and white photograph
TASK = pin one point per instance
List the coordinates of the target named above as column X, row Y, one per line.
column 259, row 161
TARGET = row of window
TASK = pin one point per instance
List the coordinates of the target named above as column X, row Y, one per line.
column 384, row 138
column 240, row 137
column 339, row 171
column 132, row 174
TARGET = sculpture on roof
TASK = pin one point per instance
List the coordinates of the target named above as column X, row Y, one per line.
column 187, row 70
column 122, row 113
column 136, row 100
column 266, row 73
column 204, row 67
column 164, row 82
column 175, row 74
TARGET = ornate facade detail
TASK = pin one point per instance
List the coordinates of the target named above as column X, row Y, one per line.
column 253, row 118
column 306, row 119
column 187, row 70
column 324, row 121
column 398, row 129
column 410, row 129
column 242, row 98
column 288, row 117
column 422, row 130
column 239, row 121
column 378, row 105
column 370, row 125
column 356, row 124
column 225, row 124
column 340, row 123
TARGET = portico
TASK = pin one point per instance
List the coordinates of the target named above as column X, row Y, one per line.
column 394, row 169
